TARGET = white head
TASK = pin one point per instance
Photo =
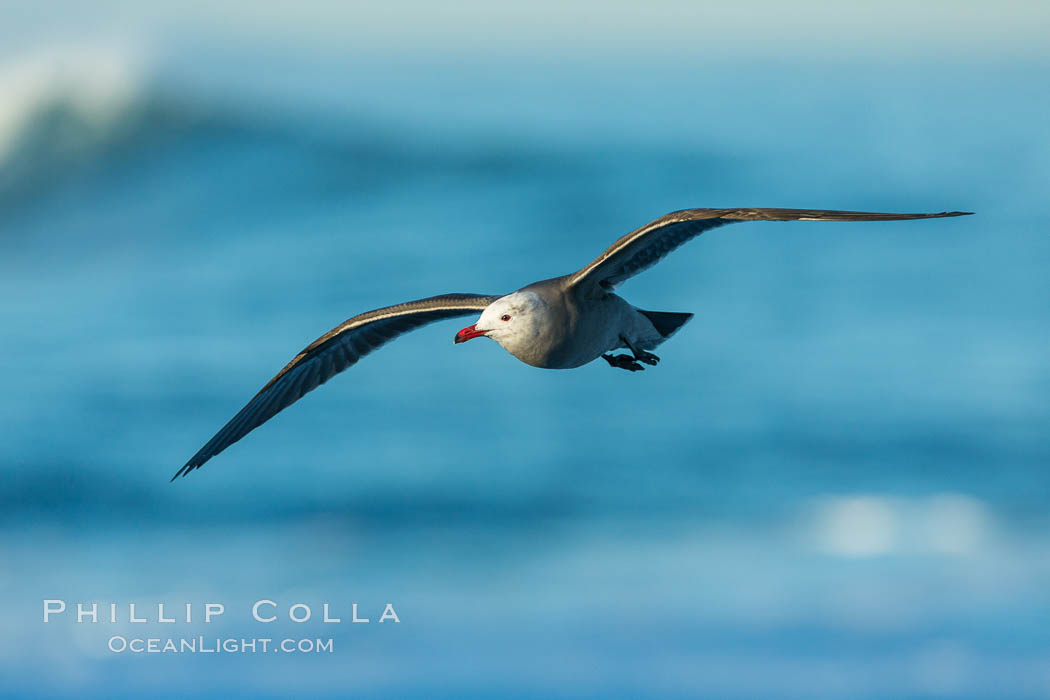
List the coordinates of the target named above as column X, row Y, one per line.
column 515, row 321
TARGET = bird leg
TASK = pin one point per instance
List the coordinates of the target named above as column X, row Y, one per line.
column 623, row 362
column 627, row 361
column 641, row 355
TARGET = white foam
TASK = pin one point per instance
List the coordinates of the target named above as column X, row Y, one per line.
column 856, row 526
column 864, row 525
column 98, row 83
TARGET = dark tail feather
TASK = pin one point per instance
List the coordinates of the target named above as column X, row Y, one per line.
column 665, row 322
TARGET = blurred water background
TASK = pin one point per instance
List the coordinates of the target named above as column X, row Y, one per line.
column 834, row 485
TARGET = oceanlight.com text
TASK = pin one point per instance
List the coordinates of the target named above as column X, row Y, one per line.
column 218, row 645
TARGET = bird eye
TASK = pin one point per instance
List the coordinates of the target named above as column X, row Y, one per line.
column 505, row 317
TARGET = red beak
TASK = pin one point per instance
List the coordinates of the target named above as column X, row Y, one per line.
column 468, row 333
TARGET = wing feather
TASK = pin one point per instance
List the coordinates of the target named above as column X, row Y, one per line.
column 644, row 247
column 332, row 353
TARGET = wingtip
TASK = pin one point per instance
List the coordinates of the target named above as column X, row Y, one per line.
column 186, row 469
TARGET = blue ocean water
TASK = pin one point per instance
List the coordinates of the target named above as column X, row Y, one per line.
column 835, row 483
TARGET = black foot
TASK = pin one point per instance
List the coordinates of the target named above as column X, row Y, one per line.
column 646, row 357
column 623, row 362
column 640, row 355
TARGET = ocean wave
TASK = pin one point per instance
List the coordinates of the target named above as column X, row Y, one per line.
column 81, row 114
column 65, row 106
column 68, row 119
column 91, row 88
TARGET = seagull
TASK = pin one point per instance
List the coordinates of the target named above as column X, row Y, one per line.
column 559, row 323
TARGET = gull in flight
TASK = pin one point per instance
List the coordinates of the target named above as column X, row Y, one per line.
column 559, row 323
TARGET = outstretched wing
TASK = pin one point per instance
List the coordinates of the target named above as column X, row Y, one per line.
column 329, row 355
column 644, row 247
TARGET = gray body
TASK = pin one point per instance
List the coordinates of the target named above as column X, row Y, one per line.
column 580, row 328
